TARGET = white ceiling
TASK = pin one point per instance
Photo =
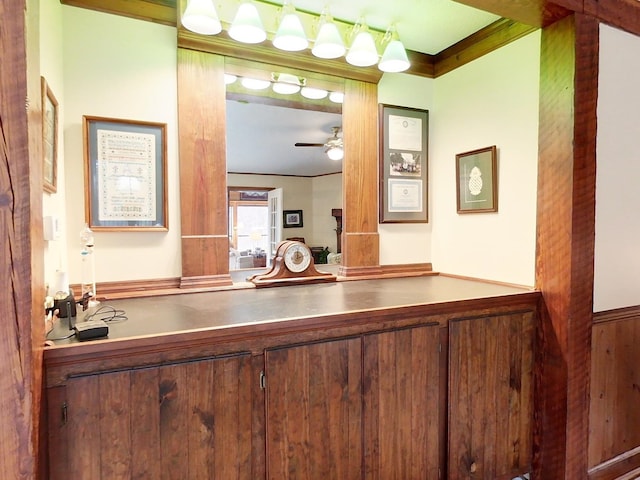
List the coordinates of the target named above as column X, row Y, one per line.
column 260, row 138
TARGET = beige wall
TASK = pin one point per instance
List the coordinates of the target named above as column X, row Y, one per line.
column 491, row 101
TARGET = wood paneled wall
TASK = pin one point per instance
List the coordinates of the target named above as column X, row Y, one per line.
column 614, row 415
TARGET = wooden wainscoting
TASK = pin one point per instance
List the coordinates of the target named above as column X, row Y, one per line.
column 614, row 418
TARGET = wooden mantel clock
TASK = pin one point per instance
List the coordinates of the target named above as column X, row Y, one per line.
column 292, row 264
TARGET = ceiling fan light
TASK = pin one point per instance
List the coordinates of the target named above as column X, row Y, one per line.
column 200, row 17
column 335, row 153
column 329, row 42
column 394, row 58
column 363, row 51
column 313, row 93
column 229, row 78
column 255, row 83
column 247, row 26
column 290, row 35
column 336, row 97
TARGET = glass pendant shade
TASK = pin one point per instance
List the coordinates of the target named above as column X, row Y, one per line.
column 363, row 51
column 329, row 42
column 290, row 35
column 313, row 93
column 247, row 26
column 255, row 83
column 394, row 58
column 335, row 153
column 200, row 17
column 336, row 97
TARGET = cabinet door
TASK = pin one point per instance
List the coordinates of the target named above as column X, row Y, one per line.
column 401, row 404
column 314, row 411
column 490, row 396
column 188, row 420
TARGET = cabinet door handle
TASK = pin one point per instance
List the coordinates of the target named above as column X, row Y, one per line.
column 263, row 380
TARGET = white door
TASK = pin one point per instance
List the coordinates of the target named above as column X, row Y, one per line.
column 275, row 221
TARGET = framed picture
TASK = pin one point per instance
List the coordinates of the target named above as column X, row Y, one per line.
column 477, row 181
column 49, row 138
column 125, row 174
column 292, row 218
column 403, row 164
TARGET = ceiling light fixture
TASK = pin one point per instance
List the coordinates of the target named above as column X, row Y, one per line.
column 290, row 35
column 394, row 58
column 336, row 97
column 229, row 78
column 255, row 84
column 313, row 93
column 329, row 42
column 247, row 26
column 286, row 83
column 200, row 17
column 363, row 52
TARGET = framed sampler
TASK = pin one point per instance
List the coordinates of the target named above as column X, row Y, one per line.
column 125, row 174
column 477, row 181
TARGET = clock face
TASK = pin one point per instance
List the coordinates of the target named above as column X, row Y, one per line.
column 297, row 258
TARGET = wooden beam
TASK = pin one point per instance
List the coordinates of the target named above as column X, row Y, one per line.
column 565, row 243
column 538, row 13
column 490, row 38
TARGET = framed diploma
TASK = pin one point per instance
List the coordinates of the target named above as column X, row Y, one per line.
column 125, row 174
column 403, row 164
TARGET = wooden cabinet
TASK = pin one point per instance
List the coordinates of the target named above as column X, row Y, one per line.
column 314, row 411
column 490, row 396
column 184, row 420
column 405, row 395
column 326, row 400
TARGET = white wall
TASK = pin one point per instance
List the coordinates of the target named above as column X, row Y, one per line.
column 120, row 68
column 407, row 242
column 51, row 68
column 327, row 195
column 617, row 256
column 491, row 101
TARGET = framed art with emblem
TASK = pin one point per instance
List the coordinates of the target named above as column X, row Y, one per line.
column 477, row 181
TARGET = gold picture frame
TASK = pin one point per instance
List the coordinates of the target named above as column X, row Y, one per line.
column 49, row 138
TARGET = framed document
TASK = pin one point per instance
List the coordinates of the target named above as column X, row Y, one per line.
column 125, row 174
column 403, row 164
column 477, row 181
column 49, row 138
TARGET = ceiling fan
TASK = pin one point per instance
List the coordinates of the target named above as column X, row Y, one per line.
column 333, row 145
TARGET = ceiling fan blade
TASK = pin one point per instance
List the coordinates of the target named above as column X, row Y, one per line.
column 299, row 144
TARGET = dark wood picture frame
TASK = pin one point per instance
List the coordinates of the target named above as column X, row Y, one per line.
column 49, row 138
column 403, row 160
column 125, row 174
column 292, row 218
column 477, row 181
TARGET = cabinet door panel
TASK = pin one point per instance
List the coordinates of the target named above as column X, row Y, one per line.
column 190, row 420
column 490, row 396
column 401, row 398
column 314, row 411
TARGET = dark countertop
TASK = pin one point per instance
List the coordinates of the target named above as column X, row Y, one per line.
column 172, row 314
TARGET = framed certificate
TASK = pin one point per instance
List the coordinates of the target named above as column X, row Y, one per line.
column 403, row 164
column 125, row 174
